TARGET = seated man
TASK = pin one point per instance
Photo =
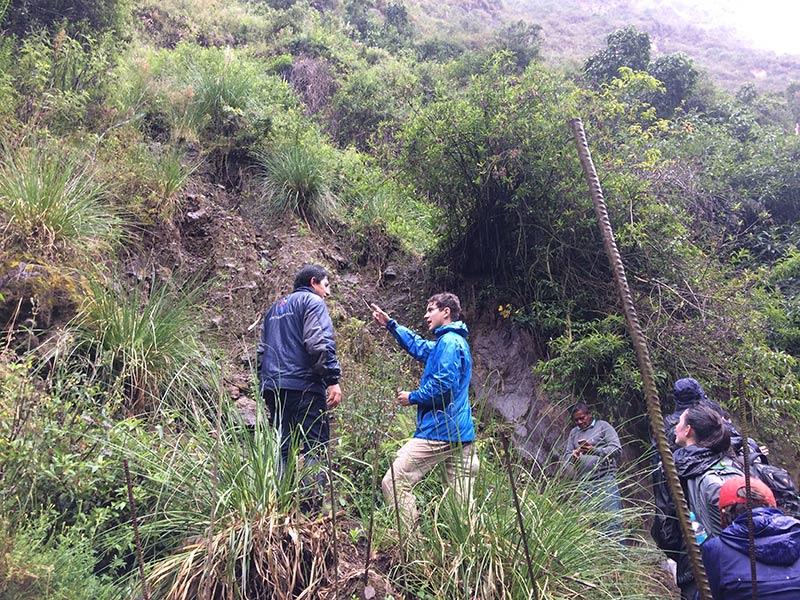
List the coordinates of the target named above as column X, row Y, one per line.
column 592, row 450
column 777, row 546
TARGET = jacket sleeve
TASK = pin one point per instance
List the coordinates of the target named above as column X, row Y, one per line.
column 710, row 552
column 437, row 391
column 319, row 343
column 417, row 346
column 569, row 447
column 665, row 529
column 611, row 446
column 707, row 507
column 566, row 458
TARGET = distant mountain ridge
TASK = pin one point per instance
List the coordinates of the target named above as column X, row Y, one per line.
column 574, row 29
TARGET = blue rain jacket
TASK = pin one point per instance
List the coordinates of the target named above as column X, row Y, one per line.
column 442, row 398
column 777, row 551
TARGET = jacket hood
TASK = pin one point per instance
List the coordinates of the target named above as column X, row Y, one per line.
column 777, row 537
column 693, row 461
column 688, row 392
column 458, row 327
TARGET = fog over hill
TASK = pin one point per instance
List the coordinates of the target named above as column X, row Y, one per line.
column 727, row 39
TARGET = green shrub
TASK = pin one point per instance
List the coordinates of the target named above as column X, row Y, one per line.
column 169, row 174
column 8, row 94
column 372, row 102
column 217, row 95
column 295, row 179
column 54, row 204
column 25, row 16
column 58, row 450
column 227, row 512
column 374, row 201
column 65, row 78
column 40, row 565
column 478, row 553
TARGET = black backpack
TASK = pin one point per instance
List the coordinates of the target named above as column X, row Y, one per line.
column 782, row 486
column 776, row 478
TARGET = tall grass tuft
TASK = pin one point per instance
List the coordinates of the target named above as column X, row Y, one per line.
column 52, row 203
column 169, row 175
column 295, row 179
column 226, row 524
column 148, row 342
column 478, row 554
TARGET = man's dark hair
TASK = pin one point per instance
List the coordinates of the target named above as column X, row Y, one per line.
column 307, row 273
column 447, row 300
column 579, row 406
column 709, row 428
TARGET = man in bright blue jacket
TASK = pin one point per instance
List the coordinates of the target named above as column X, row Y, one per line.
column 776, row 550
column 444, row 431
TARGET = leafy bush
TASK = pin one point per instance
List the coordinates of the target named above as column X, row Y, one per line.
column 64, row 78
column 53, row 204
column 371, row 102
column 679, row 75
column 374, row 201
column 25, row 16
column 40, row 565
column 625, row 47
column 295, row 179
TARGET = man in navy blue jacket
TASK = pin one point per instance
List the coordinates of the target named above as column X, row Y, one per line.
column 444, row 432
column 777, row 546
column 298, row 369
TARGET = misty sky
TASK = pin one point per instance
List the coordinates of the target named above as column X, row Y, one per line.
column 769, row 24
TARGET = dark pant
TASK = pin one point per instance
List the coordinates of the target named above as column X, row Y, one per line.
column 300, row 417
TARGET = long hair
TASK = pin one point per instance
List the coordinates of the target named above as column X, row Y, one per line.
column 709, row 428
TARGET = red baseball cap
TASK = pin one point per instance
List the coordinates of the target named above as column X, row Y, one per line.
column 734, row 491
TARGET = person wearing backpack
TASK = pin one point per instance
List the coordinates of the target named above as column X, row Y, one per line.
column 703, row 464
column 776, row 549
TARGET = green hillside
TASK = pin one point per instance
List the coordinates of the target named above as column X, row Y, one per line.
column 167, row 167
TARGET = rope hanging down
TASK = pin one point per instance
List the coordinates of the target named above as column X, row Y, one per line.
column 642, row 357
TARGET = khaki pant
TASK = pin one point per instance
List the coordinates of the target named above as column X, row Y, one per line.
column 416, row 459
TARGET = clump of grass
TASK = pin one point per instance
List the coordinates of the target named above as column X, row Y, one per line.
column 51, row 203
column 479, row 553
column 295, row 179
column 149, row 342
column 169, row 174
column 226, row 524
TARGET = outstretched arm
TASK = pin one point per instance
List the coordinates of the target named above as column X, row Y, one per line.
column 415, row 345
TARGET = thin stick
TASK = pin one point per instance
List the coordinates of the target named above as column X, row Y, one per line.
column 397, row 514
column 751, row 546
column 333, row 522
column 371, row 509
column 204, row 592
column 518, row 509
column 135, row 525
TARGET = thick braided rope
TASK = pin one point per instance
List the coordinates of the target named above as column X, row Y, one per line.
column 642, row 357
